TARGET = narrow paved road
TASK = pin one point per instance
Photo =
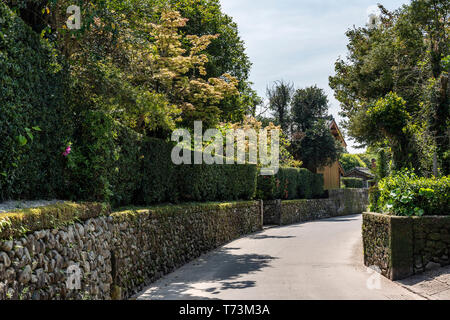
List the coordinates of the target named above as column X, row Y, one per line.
column 314, row 260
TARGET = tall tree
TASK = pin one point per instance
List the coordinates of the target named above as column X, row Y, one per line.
column 316, row 147
column 402, row 55
column 280, row 95
column 308, row 106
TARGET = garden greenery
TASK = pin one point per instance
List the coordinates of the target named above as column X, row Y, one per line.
column 353, row 183
column 406, row 194
column 290, row 184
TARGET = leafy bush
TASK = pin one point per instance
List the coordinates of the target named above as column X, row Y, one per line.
column 286, row 184
column 158, row 181
column 289, row 184
column 113, row 163
column 265, row 187
column 305, row 181
column 317, row 188
column 374, row 196
column 351, row 161
column 353, row 183
column 216, row 182
column 405, row 194
column 35, row 122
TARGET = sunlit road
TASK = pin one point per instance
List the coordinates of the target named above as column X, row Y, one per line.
column 314, row 260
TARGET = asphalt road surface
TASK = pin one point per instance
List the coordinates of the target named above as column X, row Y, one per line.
column 310, row 261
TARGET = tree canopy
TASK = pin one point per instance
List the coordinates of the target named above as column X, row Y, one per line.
column 393, row 87
column 152, row 64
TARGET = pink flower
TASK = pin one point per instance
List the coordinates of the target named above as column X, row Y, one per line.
column 67, row 152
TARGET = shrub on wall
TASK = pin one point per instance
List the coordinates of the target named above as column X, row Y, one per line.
column 405, row 194
column 317, row 185
column 158, row 174
column 112, row 163
column 35, row 122
column 286, row 182
column 265, row 187
column 374, row 195
column 305, row 181
column 353, row 183
column 216, row 182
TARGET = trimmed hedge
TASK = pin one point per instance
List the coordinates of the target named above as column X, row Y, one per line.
column 317, row 186
column 290, row 184
column 18, row 223
column 405, row 194
column 353, row 183
column 35, row 122
column 112, row 163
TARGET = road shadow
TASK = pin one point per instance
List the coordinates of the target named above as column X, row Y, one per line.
column 209, row 275
column 265, row 236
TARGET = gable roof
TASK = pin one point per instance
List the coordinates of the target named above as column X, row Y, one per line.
column 337, row 132
column 361, row 171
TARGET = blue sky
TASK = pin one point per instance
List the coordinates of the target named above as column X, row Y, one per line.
column 298, row 40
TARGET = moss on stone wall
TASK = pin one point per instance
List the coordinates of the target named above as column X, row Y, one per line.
column 20, row 222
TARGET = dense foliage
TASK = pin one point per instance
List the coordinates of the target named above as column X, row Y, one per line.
column 353, row 183
column 79, row 106
column 351, row 161
column 303, row 116
column 112, row 163
column 35, row 121
column 406, row 194
column 153, row 64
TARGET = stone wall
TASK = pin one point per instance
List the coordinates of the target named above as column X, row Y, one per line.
column 404, row 246
column 118, row 254
column 340, row 203
column 272, row 211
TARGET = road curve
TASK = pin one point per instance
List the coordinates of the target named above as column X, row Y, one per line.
column 309, row 261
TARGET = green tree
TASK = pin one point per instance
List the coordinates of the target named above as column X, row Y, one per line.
column 316, row 147
column 280, row 95
column 226, row 53
column 402, row 55
column 351, row 161
column 308, row 106
column 102, row 58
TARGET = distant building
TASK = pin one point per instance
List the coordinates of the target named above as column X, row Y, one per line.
column 332, row 174
column 361, row 173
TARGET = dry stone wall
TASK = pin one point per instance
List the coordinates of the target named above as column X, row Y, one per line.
column 114, row 256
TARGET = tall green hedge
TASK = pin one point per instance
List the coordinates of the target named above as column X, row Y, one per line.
column 113, row 163
column 289, row 184
column 35, row 122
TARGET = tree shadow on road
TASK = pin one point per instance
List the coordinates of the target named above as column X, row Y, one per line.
column 209, row 275
column 265, row 236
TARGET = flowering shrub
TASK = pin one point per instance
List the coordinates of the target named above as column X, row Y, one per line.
column 406, row 194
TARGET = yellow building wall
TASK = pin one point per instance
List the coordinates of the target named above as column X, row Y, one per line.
column 331, row 176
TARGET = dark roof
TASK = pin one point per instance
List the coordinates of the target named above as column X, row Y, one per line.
column 361, row 171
